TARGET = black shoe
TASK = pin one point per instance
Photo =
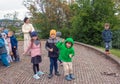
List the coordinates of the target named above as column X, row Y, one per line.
column 50, row 76
column 57, row 74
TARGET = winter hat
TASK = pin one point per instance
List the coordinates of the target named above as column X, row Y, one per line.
column 58, row 34
column 6, row 31
column 34, row 33
column 52, row 32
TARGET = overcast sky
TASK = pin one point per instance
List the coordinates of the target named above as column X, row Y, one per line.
column 10, row 6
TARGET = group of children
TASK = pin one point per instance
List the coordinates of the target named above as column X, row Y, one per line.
column 61, row 50
column 8, row 48
column 57, row 49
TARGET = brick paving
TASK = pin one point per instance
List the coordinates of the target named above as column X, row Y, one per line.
column 89, row 68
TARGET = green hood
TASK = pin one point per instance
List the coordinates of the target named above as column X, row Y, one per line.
column 69, row 40
column 64, row 51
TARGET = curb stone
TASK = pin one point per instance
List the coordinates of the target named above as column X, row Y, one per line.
column 110, row 56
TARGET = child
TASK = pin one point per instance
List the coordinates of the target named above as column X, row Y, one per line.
column 3, row 52
column 107, row 37
column 14, row 45
column 35, row 49
column 9, row 45
column 4, row 35
column 66, row 54
column 52, row 53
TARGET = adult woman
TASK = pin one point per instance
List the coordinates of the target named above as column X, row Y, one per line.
column 26, row 29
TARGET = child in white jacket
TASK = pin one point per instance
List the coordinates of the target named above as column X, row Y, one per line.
column 4, row 35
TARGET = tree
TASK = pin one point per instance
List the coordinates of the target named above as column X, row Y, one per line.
column 48, row 14
column 89, row 20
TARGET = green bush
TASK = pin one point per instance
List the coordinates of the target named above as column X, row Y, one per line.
column 20, row 37
column 88, row 23
column 116, row 39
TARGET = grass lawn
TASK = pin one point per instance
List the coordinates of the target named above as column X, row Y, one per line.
column 115, row 52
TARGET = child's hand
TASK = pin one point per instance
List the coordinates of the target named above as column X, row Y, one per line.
column 11, row 53
column 63, row 40
column 70, row 56
column 14, row 46
column 51, row 50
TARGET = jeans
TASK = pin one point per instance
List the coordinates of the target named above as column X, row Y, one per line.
column 107, row 45
column 53, row 64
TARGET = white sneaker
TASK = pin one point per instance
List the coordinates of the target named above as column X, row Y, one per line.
column 36, row 76
column 40, row 73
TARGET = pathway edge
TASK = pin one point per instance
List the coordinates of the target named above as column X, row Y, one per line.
column 112, row 57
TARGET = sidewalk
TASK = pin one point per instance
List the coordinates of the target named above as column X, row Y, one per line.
column 90, row 67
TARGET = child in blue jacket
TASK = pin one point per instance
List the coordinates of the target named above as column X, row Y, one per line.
column 14, row 45
column 107, row 37
column 3, row 52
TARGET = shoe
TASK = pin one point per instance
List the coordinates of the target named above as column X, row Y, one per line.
column 72, row 76
column 36, row 76
column 57, row 74
column 107, row 52
column 8, row 66
column 67, row 77
column 50, row 76
column 40, row 73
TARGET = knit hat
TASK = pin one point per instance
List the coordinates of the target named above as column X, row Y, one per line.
column 58, row 34
column 6, row 31
column 52, row 32
column 34, row 33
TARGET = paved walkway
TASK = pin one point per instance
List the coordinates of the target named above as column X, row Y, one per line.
column 90, row 67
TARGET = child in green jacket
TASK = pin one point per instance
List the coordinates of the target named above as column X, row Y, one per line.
column 66, row 55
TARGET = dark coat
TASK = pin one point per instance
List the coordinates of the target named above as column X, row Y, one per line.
column 51, row 43
column 107, row 35
column 14, row 41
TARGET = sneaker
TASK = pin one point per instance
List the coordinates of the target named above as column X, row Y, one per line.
column 8, row 66
column 107, row 52
column 72, row 76
column 57, row 74
column 67, row 77
column 50, row 76
column 36, row 76
column 40, row 73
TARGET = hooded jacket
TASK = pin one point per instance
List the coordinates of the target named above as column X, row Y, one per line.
column 2, row 45
column 64, row 51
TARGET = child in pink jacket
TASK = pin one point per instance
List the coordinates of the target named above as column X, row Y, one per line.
column 35, row 49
